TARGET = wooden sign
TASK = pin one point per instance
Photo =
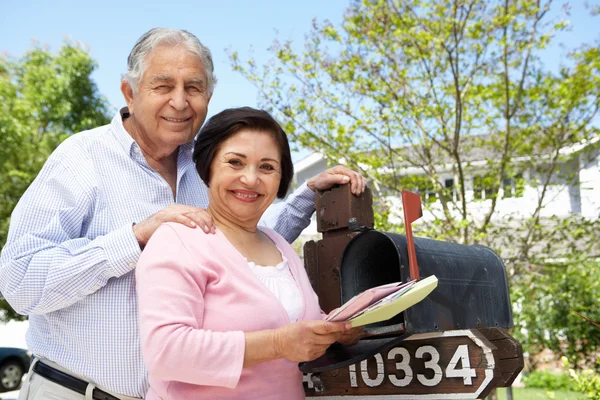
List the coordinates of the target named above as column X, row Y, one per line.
column 462, row 364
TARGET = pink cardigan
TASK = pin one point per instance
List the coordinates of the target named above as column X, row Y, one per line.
column 197, row 297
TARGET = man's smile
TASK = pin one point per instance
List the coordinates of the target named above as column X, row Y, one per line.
column 177, row 119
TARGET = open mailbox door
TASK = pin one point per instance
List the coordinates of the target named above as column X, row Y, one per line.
column 470, row 302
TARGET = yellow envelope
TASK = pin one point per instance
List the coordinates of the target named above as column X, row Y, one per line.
column 387, row 310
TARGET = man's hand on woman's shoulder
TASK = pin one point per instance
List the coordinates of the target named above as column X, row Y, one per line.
column 186, row 215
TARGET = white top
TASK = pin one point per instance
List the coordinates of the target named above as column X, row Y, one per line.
column 281, row 283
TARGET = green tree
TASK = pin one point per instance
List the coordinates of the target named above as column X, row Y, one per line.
column 549, row 299
column 412, row 92
column 44, row 98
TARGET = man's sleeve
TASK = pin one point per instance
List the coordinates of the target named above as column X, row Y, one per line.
column 46, row 265
column 290, row 217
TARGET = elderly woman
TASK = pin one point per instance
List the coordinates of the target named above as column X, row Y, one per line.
column 229, row 315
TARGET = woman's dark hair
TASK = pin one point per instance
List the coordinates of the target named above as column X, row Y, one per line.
column 227, row 123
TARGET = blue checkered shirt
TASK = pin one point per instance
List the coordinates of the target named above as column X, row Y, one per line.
column 69, row 259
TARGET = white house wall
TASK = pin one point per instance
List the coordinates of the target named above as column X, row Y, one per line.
column 589, row 178
column 558, row 203
column 308, row 167
column 561, row 199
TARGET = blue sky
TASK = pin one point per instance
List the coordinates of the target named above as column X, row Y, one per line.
column 110, row 28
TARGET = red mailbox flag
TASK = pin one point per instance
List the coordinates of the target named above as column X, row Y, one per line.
column 411, row 203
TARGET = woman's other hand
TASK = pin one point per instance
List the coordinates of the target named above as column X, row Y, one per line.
column 306, row 340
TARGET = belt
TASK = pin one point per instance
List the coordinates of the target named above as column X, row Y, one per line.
column 68, row 381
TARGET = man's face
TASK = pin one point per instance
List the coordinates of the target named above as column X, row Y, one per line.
column 171, row 103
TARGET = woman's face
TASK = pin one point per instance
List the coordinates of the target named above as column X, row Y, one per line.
column 244, row 176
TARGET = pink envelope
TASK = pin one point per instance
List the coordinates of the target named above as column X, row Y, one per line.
column 365, row 299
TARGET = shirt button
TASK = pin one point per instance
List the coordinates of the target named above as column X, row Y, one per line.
column 132, row 264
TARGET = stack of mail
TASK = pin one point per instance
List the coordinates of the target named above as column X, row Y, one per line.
column 383, row 302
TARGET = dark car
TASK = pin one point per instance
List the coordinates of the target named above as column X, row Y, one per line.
column 14, row 363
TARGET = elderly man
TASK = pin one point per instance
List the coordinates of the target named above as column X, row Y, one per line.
column 77, row 232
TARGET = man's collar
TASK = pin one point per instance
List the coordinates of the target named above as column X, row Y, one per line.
column 121, row 134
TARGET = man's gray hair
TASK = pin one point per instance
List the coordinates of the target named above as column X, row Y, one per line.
column 147, row 43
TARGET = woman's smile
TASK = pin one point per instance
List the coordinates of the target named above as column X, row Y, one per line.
column 246, row 196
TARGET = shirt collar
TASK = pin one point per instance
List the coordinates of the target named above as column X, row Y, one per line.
column 121, row 134
column 184, row 159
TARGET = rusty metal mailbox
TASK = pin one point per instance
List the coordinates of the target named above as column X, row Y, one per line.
column 470, row 310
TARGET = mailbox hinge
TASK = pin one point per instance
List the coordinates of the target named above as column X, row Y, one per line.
column 355, row 227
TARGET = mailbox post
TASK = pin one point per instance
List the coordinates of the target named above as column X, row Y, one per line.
column 435, row 351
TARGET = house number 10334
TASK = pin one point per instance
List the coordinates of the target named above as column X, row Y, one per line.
column 402, row 357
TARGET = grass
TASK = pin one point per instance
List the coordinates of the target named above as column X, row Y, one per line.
column 539, row 394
